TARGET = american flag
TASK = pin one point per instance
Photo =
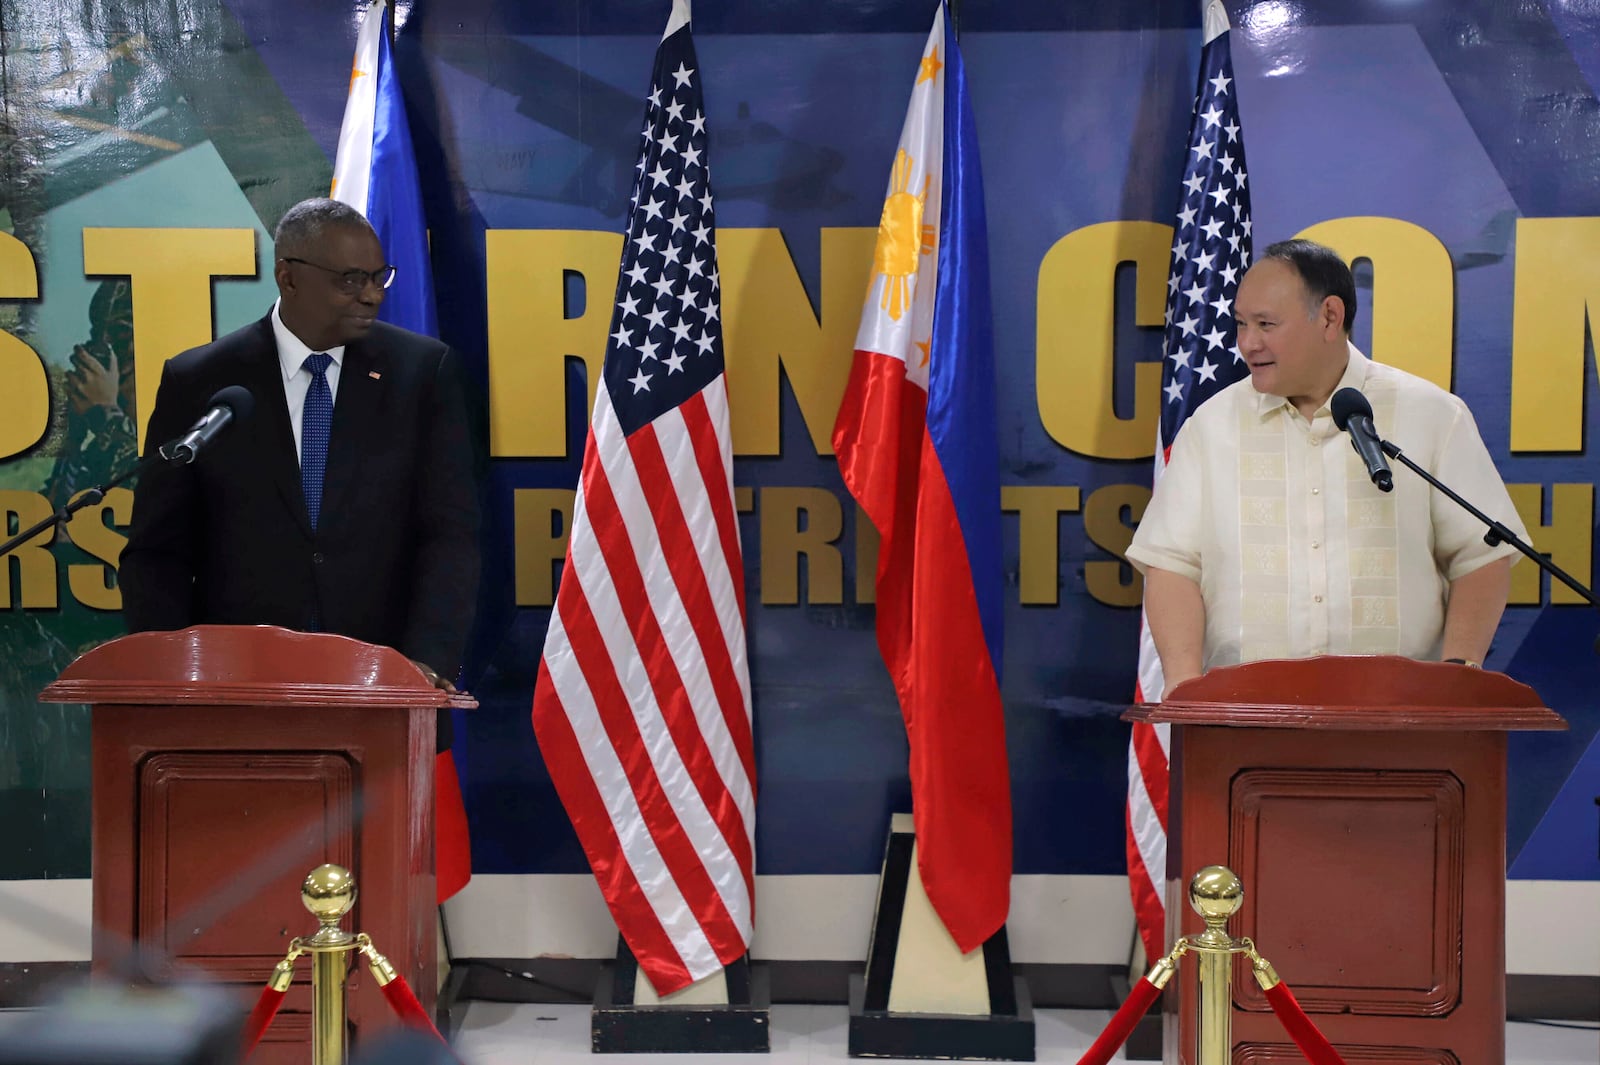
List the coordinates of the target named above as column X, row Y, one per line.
column 1209, row 256
column 642, row 708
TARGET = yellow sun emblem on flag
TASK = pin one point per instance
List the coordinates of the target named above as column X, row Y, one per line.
column 902, row 237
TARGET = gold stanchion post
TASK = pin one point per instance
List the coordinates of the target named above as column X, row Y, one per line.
column 329, row 892
column 1216, row 895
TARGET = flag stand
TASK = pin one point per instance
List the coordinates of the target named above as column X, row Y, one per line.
column 920, row 997
column 627, row 1018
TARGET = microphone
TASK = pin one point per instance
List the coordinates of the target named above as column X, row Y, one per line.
column 229, row 405
column 1353, row 414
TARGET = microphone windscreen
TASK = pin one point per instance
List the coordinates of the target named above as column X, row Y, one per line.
column 1346, row 404
column 236, row 398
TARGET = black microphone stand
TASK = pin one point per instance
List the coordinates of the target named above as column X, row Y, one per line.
column 87, row 498
column 1498, row 533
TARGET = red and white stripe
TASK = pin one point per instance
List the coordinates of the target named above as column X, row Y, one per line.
column 1149, row 789
column 643, row 701
column 1149, row 778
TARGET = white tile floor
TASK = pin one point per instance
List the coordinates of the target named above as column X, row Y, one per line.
column 496, row 1033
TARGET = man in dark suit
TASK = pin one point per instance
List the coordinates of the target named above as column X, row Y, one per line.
column 347, row 503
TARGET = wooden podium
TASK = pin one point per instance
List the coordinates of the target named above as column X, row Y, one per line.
column 1363, row 803
column 228, row 762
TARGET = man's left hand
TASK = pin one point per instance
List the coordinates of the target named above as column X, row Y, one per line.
column 442, row 683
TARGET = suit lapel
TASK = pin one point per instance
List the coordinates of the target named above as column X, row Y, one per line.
column 356, row 412
column 278, row 453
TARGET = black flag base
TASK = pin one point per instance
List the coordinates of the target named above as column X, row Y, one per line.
column 920, row 996
column 724, row 1014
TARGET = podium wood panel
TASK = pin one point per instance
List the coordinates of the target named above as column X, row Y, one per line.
column 1400, row 835
column 1362, row 802
column 1356, row 858
column 215, row 810
column 228, row 762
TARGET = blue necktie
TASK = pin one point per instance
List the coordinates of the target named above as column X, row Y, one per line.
column 316, row 425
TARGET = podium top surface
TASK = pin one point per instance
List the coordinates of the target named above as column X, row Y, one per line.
column 255, row 665
column 1353, row 692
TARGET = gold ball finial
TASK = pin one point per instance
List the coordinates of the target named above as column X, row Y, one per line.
column 329, row 892
column 1216, row 894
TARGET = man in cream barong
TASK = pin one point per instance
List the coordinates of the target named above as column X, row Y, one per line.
column 1266, row 538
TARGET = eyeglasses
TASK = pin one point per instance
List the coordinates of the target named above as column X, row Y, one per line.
column 351, row 282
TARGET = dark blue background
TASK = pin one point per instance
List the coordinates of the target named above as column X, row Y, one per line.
column 1446, row 114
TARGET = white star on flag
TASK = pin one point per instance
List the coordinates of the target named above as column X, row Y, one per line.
column 642, row 705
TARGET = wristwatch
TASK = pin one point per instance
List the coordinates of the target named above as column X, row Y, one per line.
column 1469, row 663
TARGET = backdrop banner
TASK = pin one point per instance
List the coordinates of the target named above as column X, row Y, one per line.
column 1450, row 147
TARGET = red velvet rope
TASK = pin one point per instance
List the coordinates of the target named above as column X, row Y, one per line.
column 405, row 1005
column 1144, row 993
column 1312, row 1043
column 260, row 1017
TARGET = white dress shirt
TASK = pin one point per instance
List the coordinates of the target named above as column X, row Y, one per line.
column 1295, row 550
column 292, row 353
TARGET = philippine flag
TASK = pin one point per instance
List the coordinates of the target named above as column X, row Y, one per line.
column 376, row 173
column 917, row 446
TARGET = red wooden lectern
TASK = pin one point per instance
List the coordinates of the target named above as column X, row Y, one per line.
column 228, row 762
column 1363, row 803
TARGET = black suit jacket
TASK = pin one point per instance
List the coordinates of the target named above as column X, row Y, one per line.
column 227, row 540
